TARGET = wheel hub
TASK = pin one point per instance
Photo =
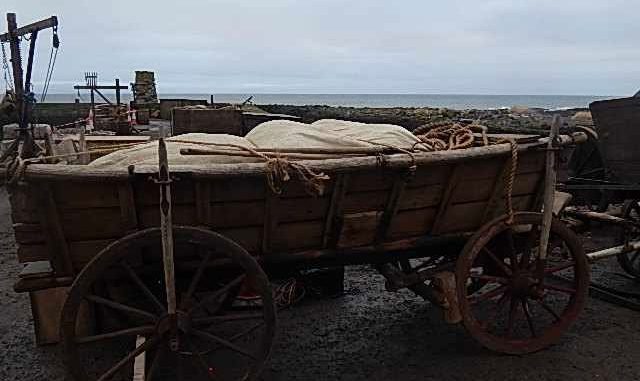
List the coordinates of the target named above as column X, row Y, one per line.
column 524, row 285
column 183, row 322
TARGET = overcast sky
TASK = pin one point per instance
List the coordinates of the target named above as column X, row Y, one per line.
column 587, row 47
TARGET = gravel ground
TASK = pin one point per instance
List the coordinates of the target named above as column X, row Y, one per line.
column 369, row 334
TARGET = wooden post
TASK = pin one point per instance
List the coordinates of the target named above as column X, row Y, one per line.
column 82, row 143
column 166, row 229
column 549, row 190
column 118, row 93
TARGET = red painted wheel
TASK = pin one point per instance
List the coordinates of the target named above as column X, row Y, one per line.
column 630, row 262
column 123, row 290
column 520, row 308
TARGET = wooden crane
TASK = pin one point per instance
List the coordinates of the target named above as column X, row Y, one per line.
column 22, row 83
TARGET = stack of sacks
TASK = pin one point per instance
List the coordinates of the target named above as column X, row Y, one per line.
column 330, row 133
column 272, row 135
column 148, row 153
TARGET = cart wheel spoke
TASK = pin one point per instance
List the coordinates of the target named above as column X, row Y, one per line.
column 225, row 318
column 503, row 266
column 497, row 307
column 149, row 344
column 143, row 330
column 548, row 309
column 513, row 256
column 487, row 295
column 513, row 311
column 490, row 278
column 121, row 307
column 136, row 279
column 223, row 342
column 201, row 360
column 528, row 247
column 563, row 289
column 246, row 332
column 179, row 367
column 155, row 363
column 195, row 280
column 527, row 314
column 558, row 268
column 216, row 296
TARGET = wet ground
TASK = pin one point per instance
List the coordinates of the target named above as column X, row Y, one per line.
column 371, row 334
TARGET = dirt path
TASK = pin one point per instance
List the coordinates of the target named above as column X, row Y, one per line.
column 368, row 334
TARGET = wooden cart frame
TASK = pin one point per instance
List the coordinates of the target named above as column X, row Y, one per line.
column 165, row 269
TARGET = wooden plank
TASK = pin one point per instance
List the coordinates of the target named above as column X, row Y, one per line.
column 358, row 229
column 423, row 197
column 96, row 223
column 270, row 220
column 469, row 190
column 334, row 214
column 360, row 202
column 370, row 180
column 128, row 214
column 33, row 253
column 297, row 236
column 54, row 233
column 77, row 195
column 302, row 209
column 234, row 214
column 391, row 208
column 238, row 189
column 23, row 204
column 28, row 233
column 203, row 202
column 430, row 175
column 497, row 193
column 249, row 238
column 411, row 223
column 445, row 200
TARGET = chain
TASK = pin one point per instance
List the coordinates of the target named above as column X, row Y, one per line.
column 8, row 79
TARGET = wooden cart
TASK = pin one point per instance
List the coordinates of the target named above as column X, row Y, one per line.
column 147, row 266
column 606, row 171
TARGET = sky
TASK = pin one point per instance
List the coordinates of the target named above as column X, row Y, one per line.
column 578, row 47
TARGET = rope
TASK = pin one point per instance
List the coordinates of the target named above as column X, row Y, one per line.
column 510, row 180
column 278, row 168
column 449, row 136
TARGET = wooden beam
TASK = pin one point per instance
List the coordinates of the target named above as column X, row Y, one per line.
column 100, row 87
column 53, row 232
column 203, row 202
column 33, row 27
column 445, row 200
column 391, row 208
column 128, row 213
column 334, row 213
column 497, row 192
column 270, row 220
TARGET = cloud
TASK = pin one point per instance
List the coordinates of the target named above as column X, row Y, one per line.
column 410, row 46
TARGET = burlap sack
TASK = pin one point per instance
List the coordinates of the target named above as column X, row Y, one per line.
column 329, row 133
column 148, row 153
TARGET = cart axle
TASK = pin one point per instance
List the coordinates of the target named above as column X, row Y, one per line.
column 613, row 251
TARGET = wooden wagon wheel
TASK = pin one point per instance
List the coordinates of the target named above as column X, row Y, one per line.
column 630, row 262
column 123, row 287
column 526, row 304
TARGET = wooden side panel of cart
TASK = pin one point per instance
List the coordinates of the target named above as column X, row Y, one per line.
column 68, row 223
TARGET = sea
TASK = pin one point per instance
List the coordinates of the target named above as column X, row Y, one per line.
column 453, row 101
